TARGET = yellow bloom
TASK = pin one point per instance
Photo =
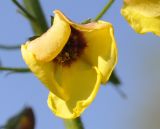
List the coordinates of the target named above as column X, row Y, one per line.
column 143, row 15
column 71, row 60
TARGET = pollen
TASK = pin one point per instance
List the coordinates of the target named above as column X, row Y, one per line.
column 73, row 48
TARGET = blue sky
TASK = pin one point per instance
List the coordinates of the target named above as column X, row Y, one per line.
column 138, row 69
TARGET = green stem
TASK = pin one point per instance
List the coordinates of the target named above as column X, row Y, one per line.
column 86, row 21
column 23, row 10
column 74, row 124
column 34, row 8
column 19, row 70
column 114, row 79
column 104, row 10
column 7, row 47
column 121, row 92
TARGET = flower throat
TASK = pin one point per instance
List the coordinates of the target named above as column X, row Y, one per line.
column 73, row 48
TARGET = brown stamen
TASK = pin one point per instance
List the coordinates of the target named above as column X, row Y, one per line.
column 73, row 48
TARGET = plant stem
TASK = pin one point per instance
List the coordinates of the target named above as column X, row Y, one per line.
column 86, row 21
column 74, row 124
column 23, row 9
column 104, row 10
column 14, row 69
column 114, row 79
column 121, row 92
column 7, row 47
column 34, row 8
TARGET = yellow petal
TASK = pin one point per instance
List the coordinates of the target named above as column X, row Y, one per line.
column 74, row 86
column 143, row 15
column 43, row 71
column 149, row 8
column 81, row 27
column 49, row 45
column 101, row 50
column 81, row 83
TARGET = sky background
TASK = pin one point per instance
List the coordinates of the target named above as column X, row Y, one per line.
column 138, row 69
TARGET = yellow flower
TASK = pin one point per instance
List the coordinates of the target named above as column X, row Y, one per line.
column 71, row 60
column 143, row 15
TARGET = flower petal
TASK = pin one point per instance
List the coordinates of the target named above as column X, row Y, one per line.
column 81, row 83
column 81, row 27
column 143, row 15
column 101, row 50
column 44, row 71
column 148, row 8
column 49, row 45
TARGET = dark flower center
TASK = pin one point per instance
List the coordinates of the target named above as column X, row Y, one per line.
column 73, row 48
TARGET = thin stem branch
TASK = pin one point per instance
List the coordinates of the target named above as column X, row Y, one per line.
column 114, row 79
column 74, row 124
column 121, row 92
column 11, row 69
column 34, row 7
column 86, row 21
column 104, row 10
column 23, row 10
column 7, row 47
